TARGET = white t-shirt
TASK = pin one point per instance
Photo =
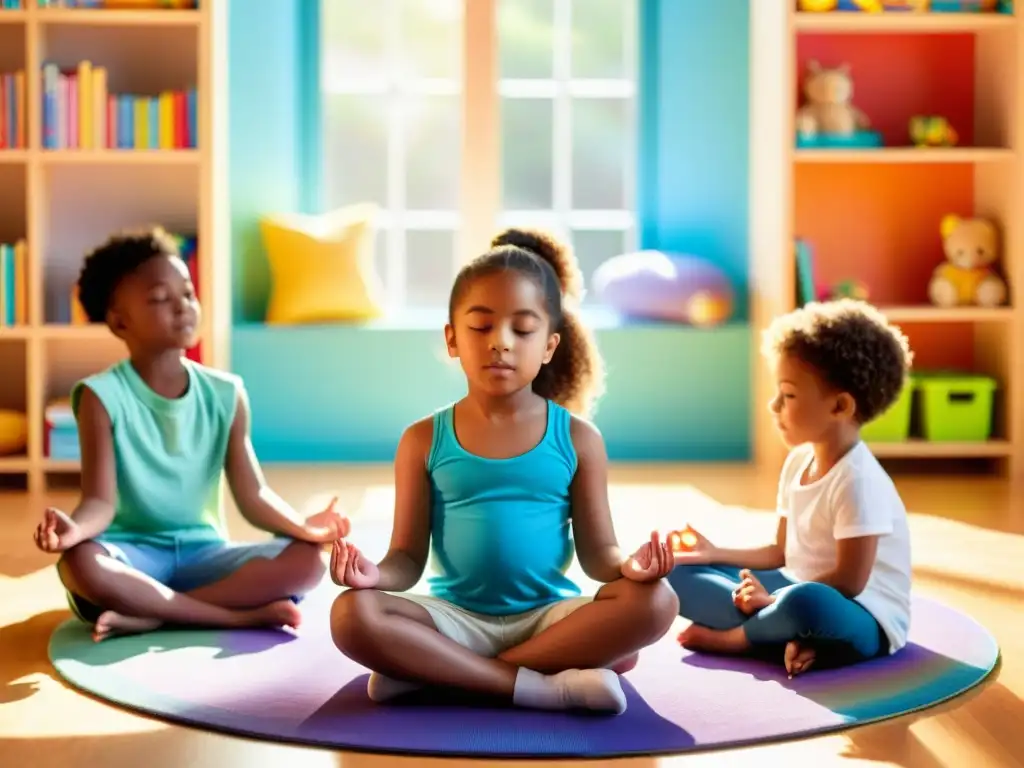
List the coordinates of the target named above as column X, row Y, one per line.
column 855, row 498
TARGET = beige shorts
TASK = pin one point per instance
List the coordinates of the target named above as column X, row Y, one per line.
column 488, row 635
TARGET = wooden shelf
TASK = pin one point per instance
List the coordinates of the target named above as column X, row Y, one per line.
column 929, row 314
column 55, row 200
column 118, row 17
column 903, row 155
column 923, row 449
column 845, row 22
column 61, row 465
column 11, row 156
column 120, row 156
column 13, row 465
column 875, row 215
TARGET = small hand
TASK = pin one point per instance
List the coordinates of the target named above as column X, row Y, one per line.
column 798, row 658
column 693, row 547
column 327, row 526
column 751, row 596
column 57, row 532
column 350, row 568
column 651, row 562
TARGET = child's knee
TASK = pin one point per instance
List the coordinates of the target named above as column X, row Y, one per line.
column 305, row 563
column 78, row 568
column 353, row 611
column 682, row 576
column 806, row 604
column 653, row 603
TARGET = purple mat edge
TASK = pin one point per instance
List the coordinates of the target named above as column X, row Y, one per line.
column 233, row 730
column 213, row 720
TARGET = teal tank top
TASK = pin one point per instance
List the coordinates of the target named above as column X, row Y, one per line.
column 169, row 454
column 501, row 536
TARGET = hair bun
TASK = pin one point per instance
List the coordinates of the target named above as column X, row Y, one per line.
column 545, row 246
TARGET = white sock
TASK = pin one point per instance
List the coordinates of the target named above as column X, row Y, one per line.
column 594, row 689
column 381, row 688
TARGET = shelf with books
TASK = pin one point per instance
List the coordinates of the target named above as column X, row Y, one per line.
column 65, row 199
column 93, row 98
column 13, row 94
column 874, row 217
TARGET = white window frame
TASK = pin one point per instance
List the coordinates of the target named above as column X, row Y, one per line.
column 480, row 212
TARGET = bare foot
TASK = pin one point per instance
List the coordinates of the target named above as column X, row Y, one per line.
column 698, row 638
column 282, row 613
column 623, row 666
column 798, row 658
column 111, row 624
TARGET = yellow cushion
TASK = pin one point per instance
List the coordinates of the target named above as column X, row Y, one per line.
column 13, row 432
column 321, row 267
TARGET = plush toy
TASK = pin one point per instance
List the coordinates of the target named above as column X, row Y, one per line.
column 829, row 108
column 659, row 286
column 968, row 276
column 932, row 131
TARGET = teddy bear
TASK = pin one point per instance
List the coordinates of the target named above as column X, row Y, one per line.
column 968, row 276
column 829, row 105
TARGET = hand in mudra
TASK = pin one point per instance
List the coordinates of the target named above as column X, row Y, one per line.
column 691, row 547
column 57, row 532
column 327, row 526
column 351, row 568
column 751, row 596
column 651, row 562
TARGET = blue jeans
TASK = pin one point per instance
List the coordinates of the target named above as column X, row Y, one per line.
column 841, row 630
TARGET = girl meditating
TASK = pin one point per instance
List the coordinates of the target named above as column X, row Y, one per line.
column 500, row 488
column 834, row 586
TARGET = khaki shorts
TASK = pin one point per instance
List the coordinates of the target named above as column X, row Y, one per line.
column 488, row 635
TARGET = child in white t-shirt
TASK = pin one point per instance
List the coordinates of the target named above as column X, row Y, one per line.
column 834, row 588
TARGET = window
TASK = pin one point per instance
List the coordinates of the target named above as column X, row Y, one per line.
column 407, row 103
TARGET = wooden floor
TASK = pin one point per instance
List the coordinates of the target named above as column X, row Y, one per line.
column 968, row 551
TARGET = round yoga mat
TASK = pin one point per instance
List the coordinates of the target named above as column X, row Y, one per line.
column 299, row 689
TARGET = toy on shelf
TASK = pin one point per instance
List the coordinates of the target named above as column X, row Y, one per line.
column 848, row 289
column 862, row 6
column 970, row 6
column 968, row 277
column 13, row 432
column 932, row 131
column 828, row 117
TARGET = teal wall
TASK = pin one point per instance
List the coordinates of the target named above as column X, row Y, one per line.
column 339, row 393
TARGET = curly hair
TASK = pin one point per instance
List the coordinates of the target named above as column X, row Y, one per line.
column 575, row 376
column 112, row 261
column 852, row 347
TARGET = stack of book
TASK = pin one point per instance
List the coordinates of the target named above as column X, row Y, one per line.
column 13, row 287
column 12, row 110
column 61, row 431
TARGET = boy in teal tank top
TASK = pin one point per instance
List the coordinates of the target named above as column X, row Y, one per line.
column 147, row 543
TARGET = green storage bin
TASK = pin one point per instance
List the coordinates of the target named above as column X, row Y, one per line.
column 956, row 406
column 893, row 426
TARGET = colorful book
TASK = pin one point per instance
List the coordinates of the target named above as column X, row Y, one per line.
column 80, row 112
column 12, row 111
column 13, row 284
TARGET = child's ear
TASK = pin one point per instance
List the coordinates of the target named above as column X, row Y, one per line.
column 553, row 340
column 449, row 340
column 115, row 321
column 846, row 406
